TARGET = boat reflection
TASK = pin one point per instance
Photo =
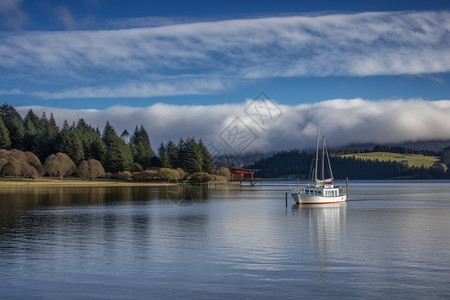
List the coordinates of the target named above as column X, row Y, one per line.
column 326, row 225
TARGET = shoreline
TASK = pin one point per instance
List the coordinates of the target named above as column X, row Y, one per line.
column 79, row 183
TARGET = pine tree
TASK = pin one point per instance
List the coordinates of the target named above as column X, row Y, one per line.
column 181, row 152
column 30, row 140
column 5, row 142
column 53, row 128
column 98, row 148
column 141, row 149
column 109, row 133
column 14, row 124
column 445, row 156
column 93, row 146
column 46, row 139
column 191, row 157
column 207, row 160
column 172, row 154
column 163, row 156
column 117, row 156
column 70, row 144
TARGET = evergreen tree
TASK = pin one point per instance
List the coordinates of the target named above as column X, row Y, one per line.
column 163, row 156
column 98, row 148
column 5, row 141
column 30, row 140
column 118, row 156
column 207, row 160
column 53, row 128
column 14, row 124
column 172, row 154
column 191, row 157
column 109, row 134
column 93, row 146
column 70, row 143
column 445, row 156
column 181, row 152
column 141, row 149
column 46, row 138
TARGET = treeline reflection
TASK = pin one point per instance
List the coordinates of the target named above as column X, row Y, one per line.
column 17, row 201
column 101, row 223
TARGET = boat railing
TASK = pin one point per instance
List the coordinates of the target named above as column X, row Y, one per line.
column 298, row 188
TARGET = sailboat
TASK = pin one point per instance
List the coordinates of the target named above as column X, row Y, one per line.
column 321, row 191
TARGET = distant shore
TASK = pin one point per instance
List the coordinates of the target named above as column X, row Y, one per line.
column 78, row 183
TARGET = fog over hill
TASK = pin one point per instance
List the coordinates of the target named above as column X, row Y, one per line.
column 418, row 145
column 264, row 126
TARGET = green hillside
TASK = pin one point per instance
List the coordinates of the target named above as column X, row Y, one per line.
column 414, row 160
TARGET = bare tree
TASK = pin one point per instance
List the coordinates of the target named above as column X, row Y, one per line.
column 223, row 171
column 12, row 168
column 60, row 165
column 91, row 169
column 34, row 162
column 27, row 170
column 3, row 162
column 15, row 163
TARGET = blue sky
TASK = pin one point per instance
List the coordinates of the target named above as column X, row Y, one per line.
column 99, row 55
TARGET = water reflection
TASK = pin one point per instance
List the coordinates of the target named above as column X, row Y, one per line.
column 33, row 197
column 185, row 195
column 103, row 222
column 116, row 243
column 38, row 203
column 326, row 225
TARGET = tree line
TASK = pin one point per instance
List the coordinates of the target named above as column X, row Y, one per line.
column 189, row 155
column 83, row 143
column 297, row 164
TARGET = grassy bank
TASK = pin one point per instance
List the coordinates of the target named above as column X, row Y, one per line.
column 414, row 160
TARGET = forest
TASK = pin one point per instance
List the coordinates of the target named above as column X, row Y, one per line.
column 38, row 143
column 297, row 164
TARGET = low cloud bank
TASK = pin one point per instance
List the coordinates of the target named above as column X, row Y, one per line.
column 264, row 125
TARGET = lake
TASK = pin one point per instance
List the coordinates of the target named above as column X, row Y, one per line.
column 391, row 240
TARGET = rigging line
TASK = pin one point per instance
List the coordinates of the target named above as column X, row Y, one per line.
column 317, row 153
column 328, row 157
column 323, row 158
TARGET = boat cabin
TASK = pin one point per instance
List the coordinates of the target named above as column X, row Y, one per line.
column 326, row 192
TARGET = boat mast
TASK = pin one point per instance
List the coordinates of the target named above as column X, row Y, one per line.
column 323, row 158
column 317, row 153
column 329, row 162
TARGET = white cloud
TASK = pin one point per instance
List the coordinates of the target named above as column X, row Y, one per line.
column 162, row 87
column 13, row 16
column 11, row 92
column 343, row 122
column 363, row 44
column 65, row 17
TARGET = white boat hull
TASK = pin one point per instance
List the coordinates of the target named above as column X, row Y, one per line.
column 300, row 198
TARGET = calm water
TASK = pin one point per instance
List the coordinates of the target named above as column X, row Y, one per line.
column 391, row 240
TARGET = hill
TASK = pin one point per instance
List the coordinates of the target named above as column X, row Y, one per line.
column 412, row 160
column 354, row 166
column 434, row 145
